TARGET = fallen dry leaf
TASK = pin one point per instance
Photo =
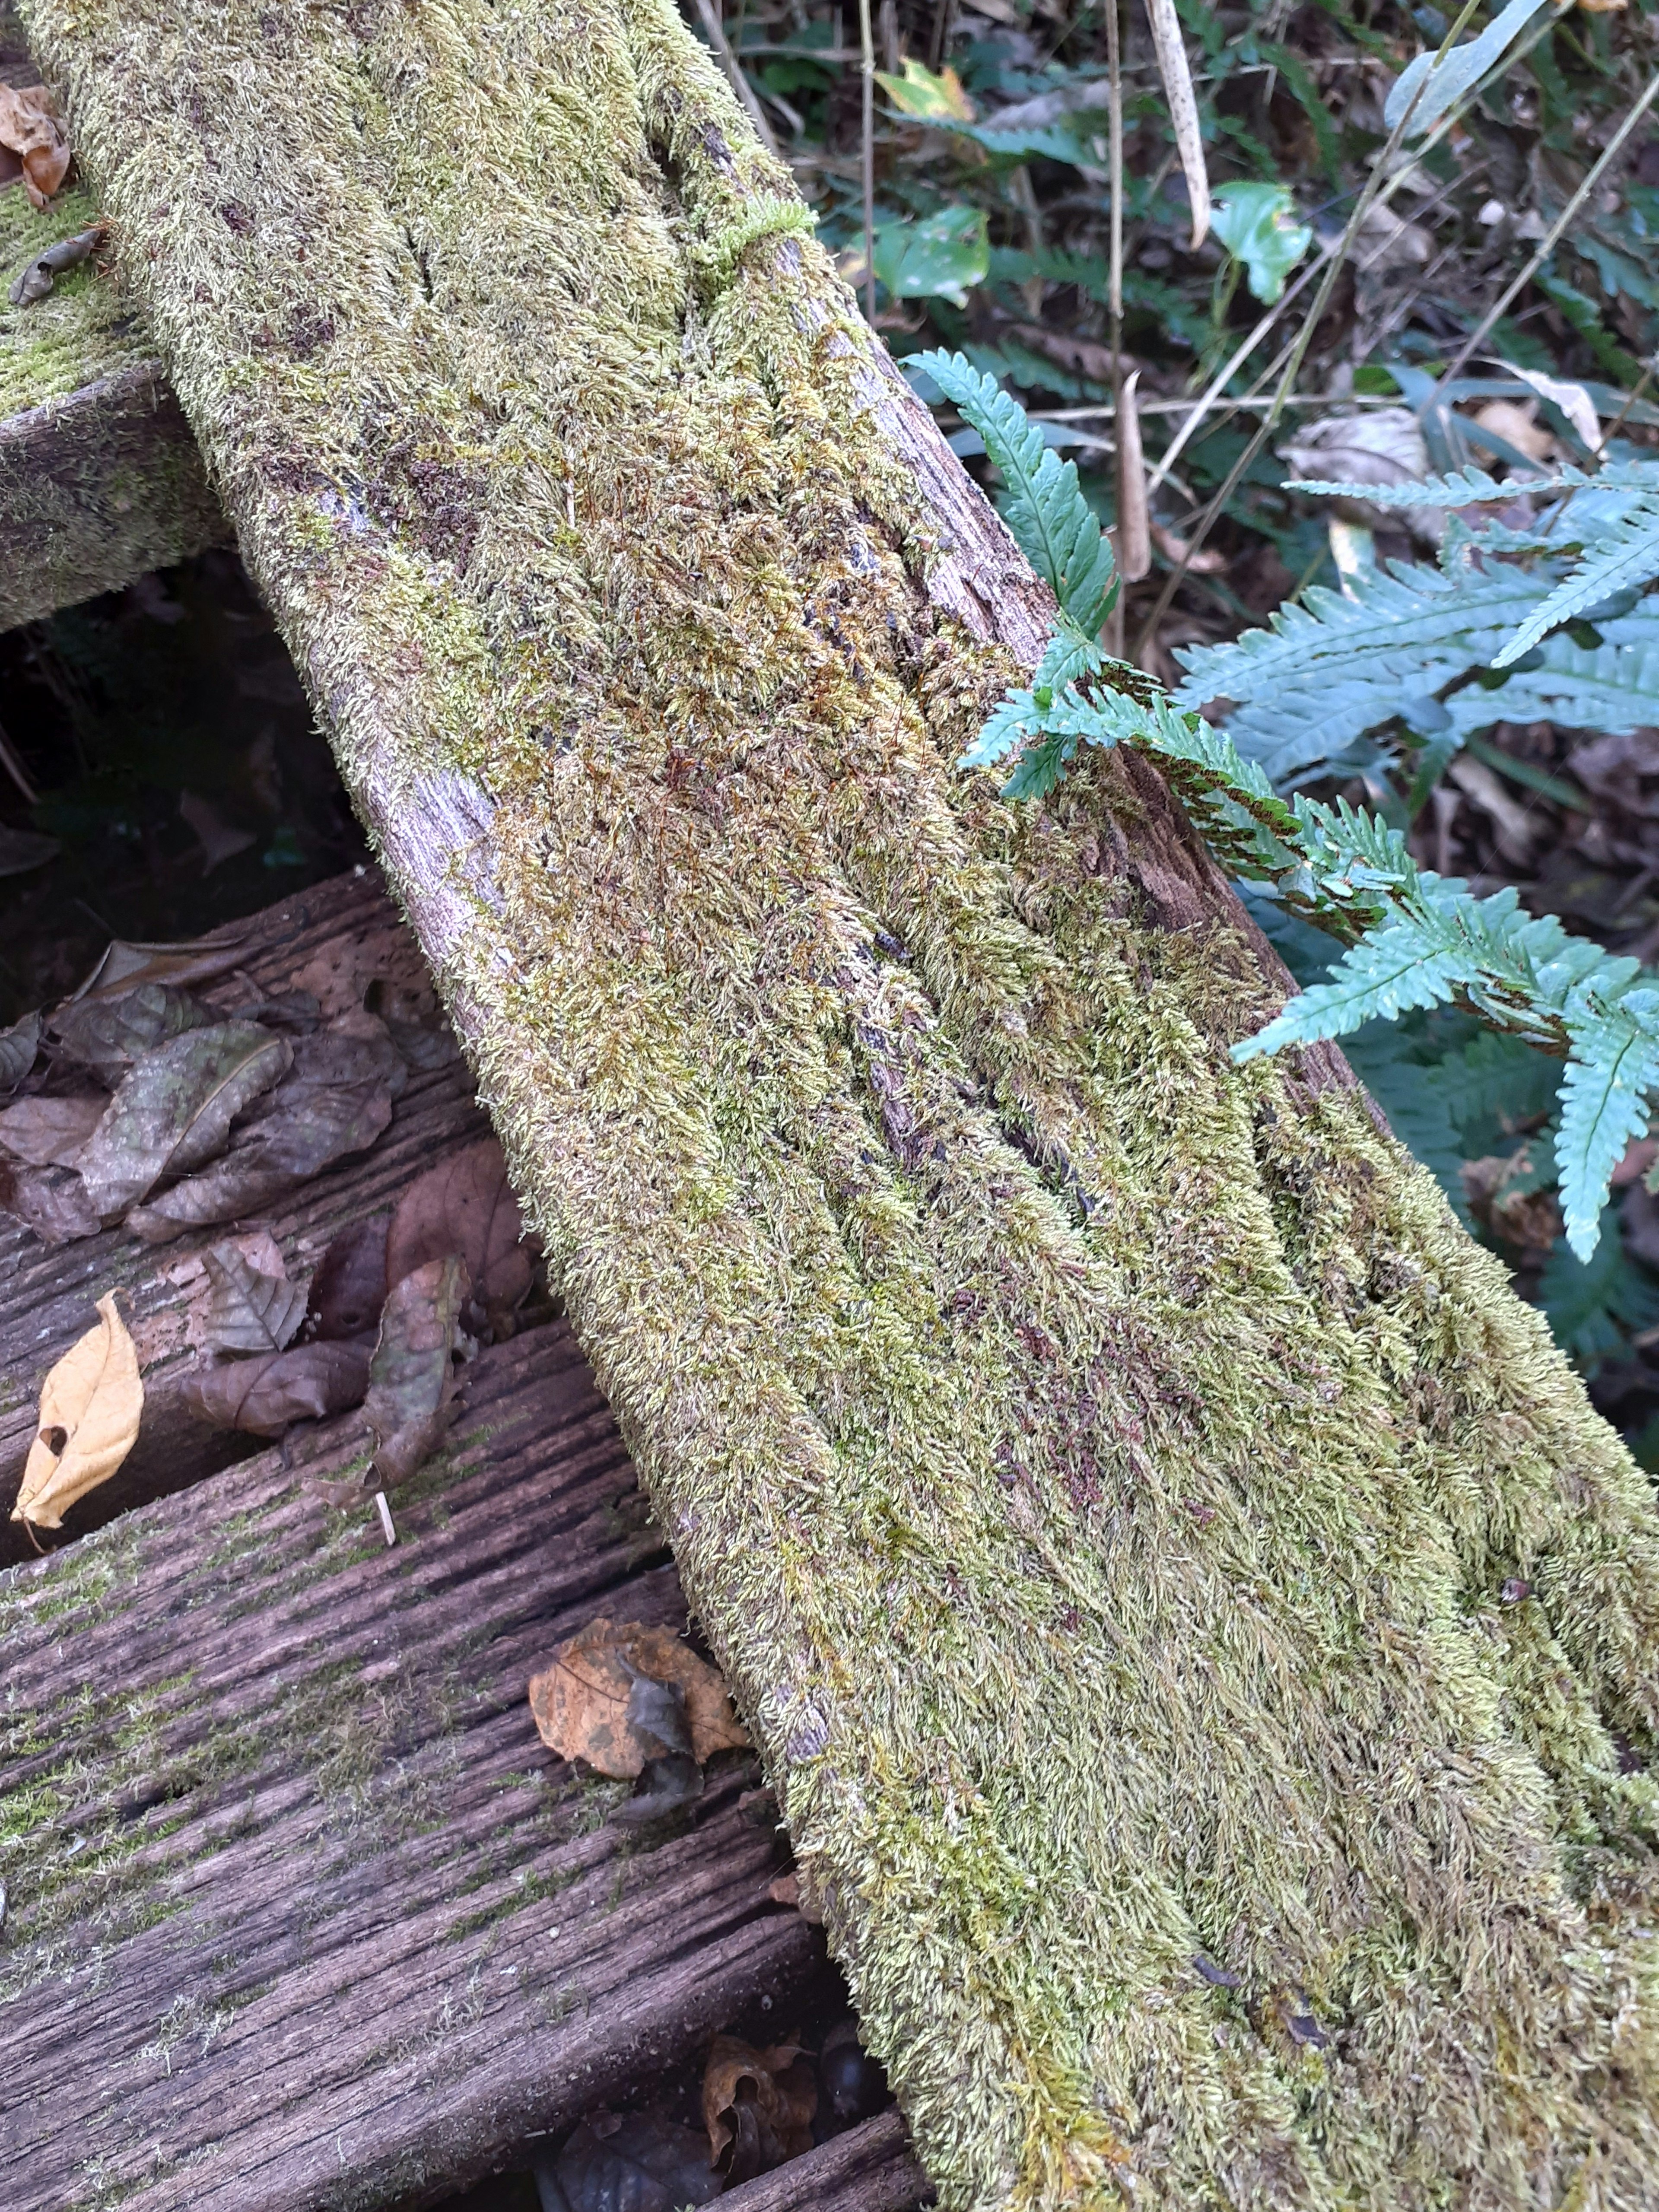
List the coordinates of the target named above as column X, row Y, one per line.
column 124, row 962
column 628, row 2162
column 174, row 1109
column 1184, row 111
column 1135, row 547
column 758, row 2106
column 415, row 1376
column 248, row 1310
column 34, row 282
column 18, row 1047
column 297, row 1130
column 220, row 840
column 465, row 1205
column 51, row 1201
column 48, row 1133
column 91, row 1407
column 580, row 1699
column 107, row 1034
column 349, row 1286
column 30, row 129
column 1518, row 425
column 23, row 851
column 268, row 1394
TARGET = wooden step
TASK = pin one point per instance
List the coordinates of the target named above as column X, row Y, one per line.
column 299, row 1911
column 100, row 480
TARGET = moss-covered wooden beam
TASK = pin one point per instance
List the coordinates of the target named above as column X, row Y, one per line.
column 101, row 479
column 1205, row 1640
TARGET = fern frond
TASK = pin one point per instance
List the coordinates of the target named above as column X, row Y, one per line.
column 1473, row 487
column 1010, row 725
column 1055, row 526
column 1590, row 1302
column 1611, row 688
column 1388, row 971
column 1413, row 626
column 1625, row 556
column 1604, row 1104
column 1493, row 1078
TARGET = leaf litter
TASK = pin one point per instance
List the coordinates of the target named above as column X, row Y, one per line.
column 173, row 1109
column 91, row 1403
column 248, row 1308
column 265, row 1395
column 415, row 1376
column 30, row 129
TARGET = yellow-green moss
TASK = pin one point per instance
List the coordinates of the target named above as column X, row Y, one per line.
column 1098, row 1468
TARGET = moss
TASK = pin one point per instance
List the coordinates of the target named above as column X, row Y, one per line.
column 1095, row 1467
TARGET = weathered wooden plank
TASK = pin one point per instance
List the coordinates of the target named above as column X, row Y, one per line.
column 338, row 938
column 101, row 479
column 300, row 1913
column 869, row 2169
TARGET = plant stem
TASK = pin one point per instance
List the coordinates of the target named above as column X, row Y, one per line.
column 867, row 156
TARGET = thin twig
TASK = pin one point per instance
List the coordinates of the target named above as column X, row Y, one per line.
column 1235, row 475
column 1547, row 244
column 710, row 14
column 14, row 767
column 867, row 156
column 1114, row 621
column 1218, row 384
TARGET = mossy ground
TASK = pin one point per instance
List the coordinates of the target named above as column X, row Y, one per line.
column 1098, row 1468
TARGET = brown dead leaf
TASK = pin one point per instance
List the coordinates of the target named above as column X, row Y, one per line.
column 1135, row 547
column 580, row 1699
column 248, row 1308
column 49, row 1133
column 414, row 1377
column 758, row 2106
column 174, row 1109
column 51, row 1201
column 307, row 1123
column 465, row 1205
column 34, row 281
column 124, row 962
column 1210, row 562
column 18, row 1047
column 29, row 128
column 268, row 1394
column 220, row 840
column 91, row 1407
column 349, row 1286
column 107, row 1034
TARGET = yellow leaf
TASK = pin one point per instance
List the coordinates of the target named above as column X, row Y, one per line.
column 930, row 98
column 90, row 1406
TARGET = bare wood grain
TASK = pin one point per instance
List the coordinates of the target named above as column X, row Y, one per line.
column 342, row 1931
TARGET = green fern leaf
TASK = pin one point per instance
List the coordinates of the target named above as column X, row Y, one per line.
column 1392, row 968
column 1327, row 672
column 1055, row 526
column 1492, row 1079
column 1611, row 688
column 1604, row 1104
column 1591, row 1303
column 1010, row 724
column 1625, row 556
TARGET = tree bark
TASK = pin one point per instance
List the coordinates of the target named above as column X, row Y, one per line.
column 1098, row 1468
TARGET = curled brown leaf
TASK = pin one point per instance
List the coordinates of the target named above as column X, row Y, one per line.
column 49, row 1133
column 29, row 127
column 757, row 2105
column 18, row 1047
column 268, row 1394
column 415, row 1379
column 51, row 1201
column 107, row 1034
column 465, row 1205
column 586, row 1703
